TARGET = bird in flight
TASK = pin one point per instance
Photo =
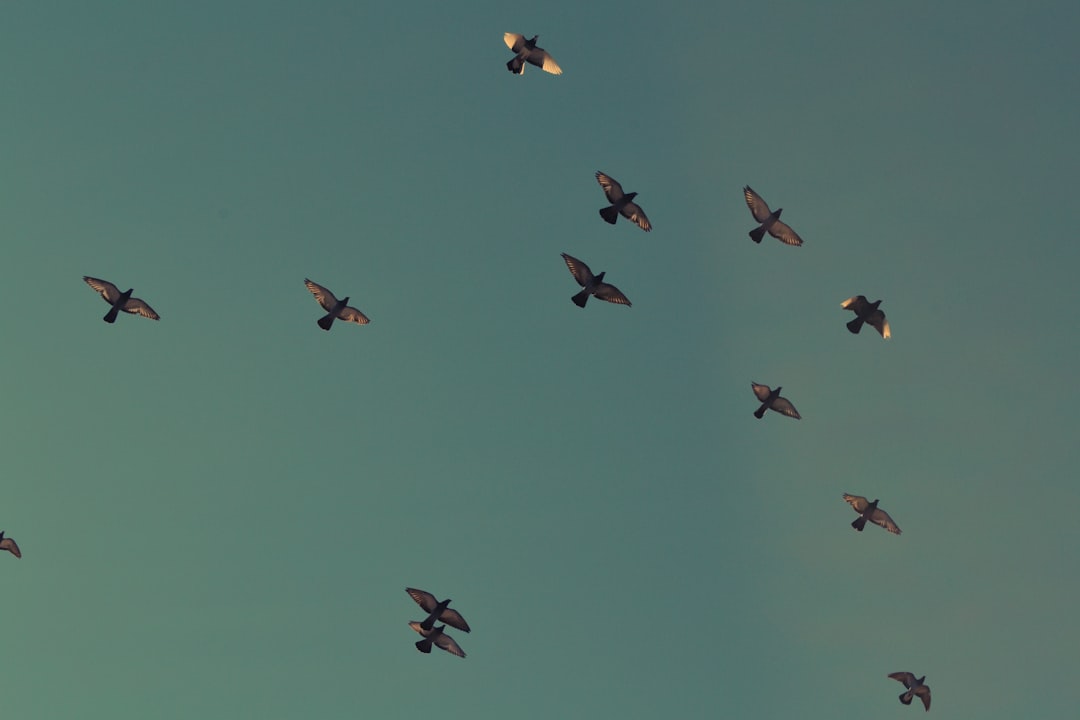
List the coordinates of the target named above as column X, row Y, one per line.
column 120, row 300
column 437, row 610
column 8, row 544
column 771, row 400
column 621, row 203
column 437, row 637
column 335, row 309
column 593, row 284
column 870, row 511
column 914, row 687
column 770, row 221
column 527, row 52
column 868, row 312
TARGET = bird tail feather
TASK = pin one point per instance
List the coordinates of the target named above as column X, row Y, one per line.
column 424, row 646
column 110, row 317
column 581, row 298
column 326, row 321
column 760, row 412
column 859, row 523
column 516, row 66
column 757, row 233
column 610, row 214
column 906, row 697
column 855, row 325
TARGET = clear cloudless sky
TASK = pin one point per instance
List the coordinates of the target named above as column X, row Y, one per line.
column 219, row 512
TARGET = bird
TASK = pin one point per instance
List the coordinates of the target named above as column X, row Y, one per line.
column 867, row 312
column 120, row 300
column 336, row 309
column 915, row 686
column 771, row 400
column 9, row 545
column 437, row 610
column 621, row 203
column 527, row 52
column 770, row 221
column 593, row 284
column 437, row 637
column 870, row 511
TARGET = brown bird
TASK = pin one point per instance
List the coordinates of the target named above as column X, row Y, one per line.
column 770, row 221
column 914, row 687
column 593, row 284
column 870, row 511
column 120, row 300
column 9, row 545
column 526, row 52
column 336, row 309
column 866, row 311
column 437, row 637
column 621, row 203
column 771, row 400
column 437, row 610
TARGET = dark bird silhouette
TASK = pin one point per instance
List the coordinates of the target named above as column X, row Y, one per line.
column 437, row 637
column 527, row 52
column 770, row 221
column 771, row 400
column 437, row 610
column 866, row 311
column 8, row 544
column 870, row 511
column 621, row 203
column 593, row 284
column 914, row 687
column 335, row 309
column 120, row 300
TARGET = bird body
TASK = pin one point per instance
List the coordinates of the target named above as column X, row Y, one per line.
column 621, row 203
column 437, row 610
column 592, row 284
column 870, row 511
column 526, row 51
column 119, row 300
column 866, row 312
column 770, row 221
column 915, row 687
column 436, row 636
column 336, row 309
column 8, row 544
column 771, row 400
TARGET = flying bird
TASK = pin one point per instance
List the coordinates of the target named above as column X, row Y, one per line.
column 914, row 687
column 593, row 284
column 120, row 300
column 771, row 400
column 621, row 203
column 870, row 511
column 527, row 52
column 770, row 221
column 336, row 309
column 866, row 311
column 437, row 637
column 437, row 610
column 8, row 544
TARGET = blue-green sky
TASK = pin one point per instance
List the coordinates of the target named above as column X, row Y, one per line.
column 219, row 512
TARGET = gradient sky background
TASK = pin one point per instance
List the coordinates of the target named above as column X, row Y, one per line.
column 219, row 512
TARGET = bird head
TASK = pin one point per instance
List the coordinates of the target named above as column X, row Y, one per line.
column 600, row 276
column 532, row 42
column 345, row 301
column 920, row 680
column 631, row 196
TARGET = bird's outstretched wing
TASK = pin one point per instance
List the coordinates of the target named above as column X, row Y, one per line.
column 425, row 600
column 762, row 392
column 923, row 691
column 578, row 269
column 453, row 618
column 135, row 306
column 858, row 504
column 11, row 546
column 351, row 314
column 448, row 644
column 758, row 207
column 635, row 214
column 878, row 322
column 783, row 406
column 612, row 189
column 610, row 293
column 543, row 60
column 324, row 296
column 514, row 41
column 908, row 679
column 783, row 232
column 108, row 291
column 880, row 517
column 855, row 304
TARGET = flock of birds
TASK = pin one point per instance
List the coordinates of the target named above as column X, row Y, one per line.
column 621, row 203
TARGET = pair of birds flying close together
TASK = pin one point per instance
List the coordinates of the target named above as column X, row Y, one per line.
column 438, row 611
column 335, row 309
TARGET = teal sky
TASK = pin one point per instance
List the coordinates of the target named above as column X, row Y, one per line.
column 219, row 512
